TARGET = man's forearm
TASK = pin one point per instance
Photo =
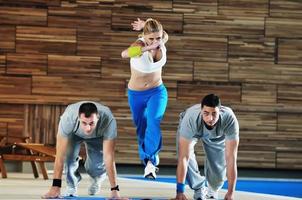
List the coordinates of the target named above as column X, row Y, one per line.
column 181, row 170
column 232, row 176
column 58, row 168
column 111, row 171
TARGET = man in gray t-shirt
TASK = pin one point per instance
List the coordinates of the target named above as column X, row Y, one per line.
column 93, row 124
column 217, row 128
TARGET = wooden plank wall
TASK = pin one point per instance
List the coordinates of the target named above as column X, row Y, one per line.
column 249, row 52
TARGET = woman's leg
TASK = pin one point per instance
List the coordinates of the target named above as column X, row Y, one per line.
column 156, row 108
column 137, row 105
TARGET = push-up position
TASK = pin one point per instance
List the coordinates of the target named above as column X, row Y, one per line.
column 217, row 128
column 93, row 124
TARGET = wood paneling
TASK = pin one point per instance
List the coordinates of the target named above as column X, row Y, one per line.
column 201, row 7
column 42, row 122
column 290, row 94
column 197, row 48
column 23, row 16
column 172, row 88
column 11, row 112
column 289, row 159
column 96, row 42
column 43, row 99
column 178, row 70
column 259, row 94
column 37, row 3
column 53, row 53
column 7, row 38
column 13, row 116
column 211, row 71
column 287, row 141
column 287, row 150
column 244, row 7
column 90, row 42
column 65, row 86
column 101, row 4
column 260, row 140
column 290, row 51
column 2, row 64
column 171, row 118
column 223, row 25
column 3, row 129
column 251, row 48
column 286, row 8
column 77, row 66
column 283, row 27
column 14, row 129
column 195, row 92
column 289, row 122
column 264, row 72
column 15, row 85
column 257, row 121
column 74, row 17
column 121, row 19
column 29, row 64
column 257, row 159
column 116, row 68
column 31, row 39
column 145, row 4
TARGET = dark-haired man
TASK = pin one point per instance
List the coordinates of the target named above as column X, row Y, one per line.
column 217, row 128
column 93, row 124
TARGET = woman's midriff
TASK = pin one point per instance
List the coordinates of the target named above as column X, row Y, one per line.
column 144, row 81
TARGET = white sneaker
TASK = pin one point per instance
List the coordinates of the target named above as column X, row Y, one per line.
column 199, row 194
column 95, row 185
column 71, row 191
column 150, row 171
column 211, row 194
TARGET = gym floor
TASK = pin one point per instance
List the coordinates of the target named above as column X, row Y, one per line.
column 252, row 184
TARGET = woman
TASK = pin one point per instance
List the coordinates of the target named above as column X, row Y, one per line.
column 147, row 95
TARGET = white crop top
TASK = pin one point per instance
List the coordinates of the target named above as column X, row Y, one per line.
column 144, row 64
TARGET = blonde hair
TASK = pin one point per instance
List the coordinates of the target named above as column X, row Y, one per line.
column 154, row 26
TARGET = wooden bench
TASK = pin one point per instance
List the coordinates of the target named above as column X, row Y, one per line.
column 26, row 151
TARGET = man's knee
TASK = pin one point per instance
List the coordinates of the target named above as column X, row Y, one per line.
column 95, row 169
column 216, row 182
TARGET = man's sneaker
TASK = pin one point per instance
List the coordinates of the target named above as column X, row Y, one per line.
column 95, row 185
column 150, row 171
column 199, row 194
column 71, row 191
column 211, row 194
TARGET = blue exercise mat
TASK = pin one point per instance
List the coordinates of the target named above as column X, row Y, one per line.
column 101, row 198
column 291, row 188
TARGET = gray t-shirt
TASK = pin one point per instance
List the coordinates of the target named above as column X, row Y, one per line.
column 192, row 126
column 69, row 122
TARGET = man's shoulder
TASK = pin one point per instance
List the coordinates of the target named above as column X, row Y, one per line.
column 104, row 111
column 226, row 110
column 196, row 108
column 191, row 115
column 72, row 110
column 227, row 114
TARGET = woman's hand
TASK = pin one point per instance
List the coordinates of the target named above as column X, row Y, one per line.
column 153, row 46
column 138, row 24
